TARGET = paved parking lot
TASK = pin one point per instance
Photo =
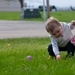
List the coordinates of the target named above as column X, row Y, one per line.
column 17, row 29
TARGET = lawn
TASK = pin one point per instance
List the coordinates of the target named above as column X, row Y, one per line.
column 13, row 53
column 66, row 16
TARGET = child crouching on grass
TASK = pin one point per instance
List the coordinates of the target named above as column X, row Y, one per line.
column 60, row 35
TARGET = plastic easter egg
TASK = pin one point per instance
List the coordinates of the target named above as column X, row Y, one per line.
column 29, row 57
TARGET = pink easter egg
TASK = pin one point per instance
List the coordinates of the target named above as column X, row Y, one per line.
column 29, row 57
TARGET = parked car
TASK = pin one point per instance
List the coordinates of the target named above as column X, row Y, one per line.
column 72, row 8
column 52, row 8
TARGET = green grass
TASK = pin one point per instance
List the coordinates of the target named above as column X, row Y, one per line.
column 9, row 15
column 13, row 52
column 13, row 60
column 66, row 16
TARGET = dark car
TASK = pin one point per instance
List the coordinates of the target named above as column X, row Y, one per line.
column 52, row 8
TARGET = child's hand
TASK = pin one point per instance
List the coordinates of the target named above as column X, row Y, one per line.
column 58, row 56
column 73, row 22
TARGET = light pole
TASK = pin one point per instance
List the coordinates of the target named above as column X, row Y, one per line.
column 48, row 9
column 44, row 10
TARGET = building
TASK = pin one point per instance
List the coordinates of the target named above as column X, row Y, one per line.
column 10, row 5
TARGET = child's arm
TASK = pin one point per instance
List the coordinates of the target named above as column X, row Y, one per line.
column 73, row 22
column 55, row 48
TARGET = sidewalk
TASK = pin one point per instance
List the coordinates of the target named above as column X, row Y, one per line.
column 18, row 29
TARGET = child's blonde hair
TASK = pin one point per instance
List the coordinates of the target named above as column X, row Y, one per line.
column 50, row 24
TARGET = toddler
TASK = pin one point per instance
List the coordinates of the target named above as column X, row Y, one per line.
column 60, row 35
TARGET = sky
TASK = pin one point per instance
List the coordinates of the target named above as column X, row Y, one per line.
column 57, row 3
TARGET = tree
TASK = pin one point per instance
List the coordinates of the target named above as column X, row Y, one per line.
column 21, row 2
